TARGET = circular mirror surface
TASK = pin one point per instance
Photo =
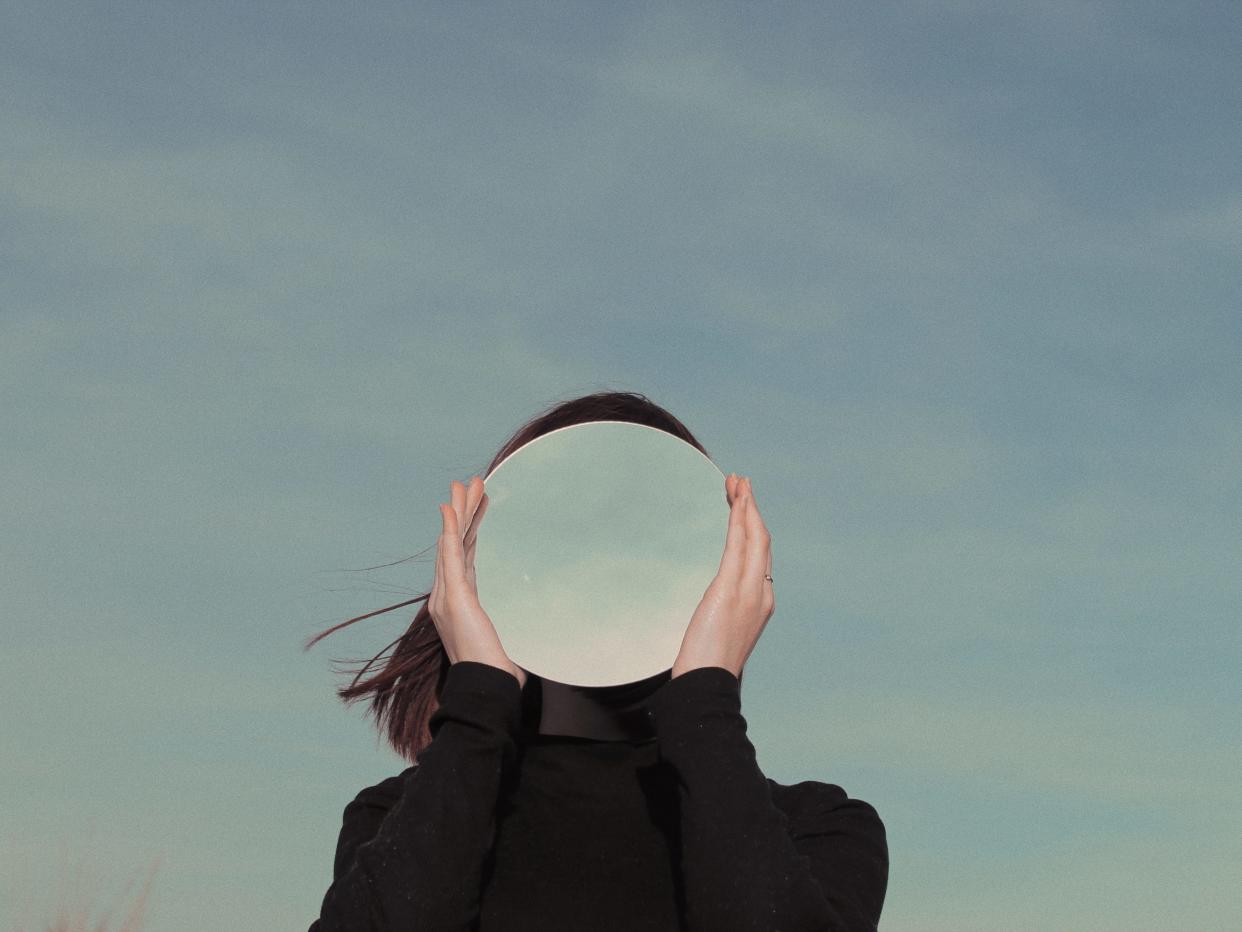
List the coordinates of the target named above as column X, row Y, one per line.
column 597, row 545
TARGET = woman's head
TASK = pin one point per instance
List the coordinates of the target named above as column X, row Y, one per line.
column 405, row 689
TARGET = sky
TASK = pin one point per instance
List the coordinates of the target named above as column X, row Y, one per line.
column 956, row 283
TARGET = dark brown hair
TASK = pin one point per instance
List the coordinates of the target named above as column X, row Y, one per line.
column 405, row 691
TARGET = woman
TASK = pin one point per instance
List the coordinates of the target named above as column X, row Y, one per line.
column 558, row 807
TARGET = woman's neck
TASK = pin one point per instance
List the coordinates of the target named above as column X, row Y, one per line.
column 605, row 713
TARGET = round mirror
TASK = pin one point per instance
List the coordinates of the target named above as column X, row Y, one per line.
column 597, row 545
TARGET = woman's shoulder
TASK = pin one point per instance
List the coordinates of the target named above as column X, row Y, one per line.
column 807, row 803
column 384, row 794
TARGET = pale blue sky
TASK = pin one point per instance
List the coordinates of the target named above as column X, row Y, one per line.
column 956, row 283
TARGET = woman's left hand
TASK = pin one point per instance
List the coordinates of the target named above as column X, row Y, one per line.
column 738, row 603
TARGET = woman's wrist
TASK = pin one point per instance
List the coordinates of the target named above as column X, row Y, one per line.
column 502, row 663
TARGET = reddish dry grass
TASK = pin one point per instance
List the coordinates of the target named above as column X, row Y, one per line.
column 78, row 919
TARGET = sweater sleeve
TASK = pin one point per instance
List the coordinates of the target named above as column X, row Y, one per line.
column 412, row 850
column 744, row 866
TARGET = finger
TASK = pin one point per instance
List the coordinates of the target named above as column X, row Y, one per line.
column 433, row 599
column 457, row 494
column 755, row 522
column 452, row 560
column 759, row 531
column 474, row 499
column 757, row 543
column 769, row 589
column 473, row 534
column 474, row 493
column 734, row 559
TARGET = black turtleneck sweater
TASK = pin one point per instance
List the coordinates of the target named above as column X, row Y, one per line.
column 500, row 830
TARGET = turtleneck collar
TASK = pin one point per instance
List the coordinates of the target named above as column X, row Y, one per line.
column 593, row 714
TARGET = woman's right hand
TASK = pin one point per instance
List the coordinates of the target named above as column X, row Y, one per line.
column 465, row 630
